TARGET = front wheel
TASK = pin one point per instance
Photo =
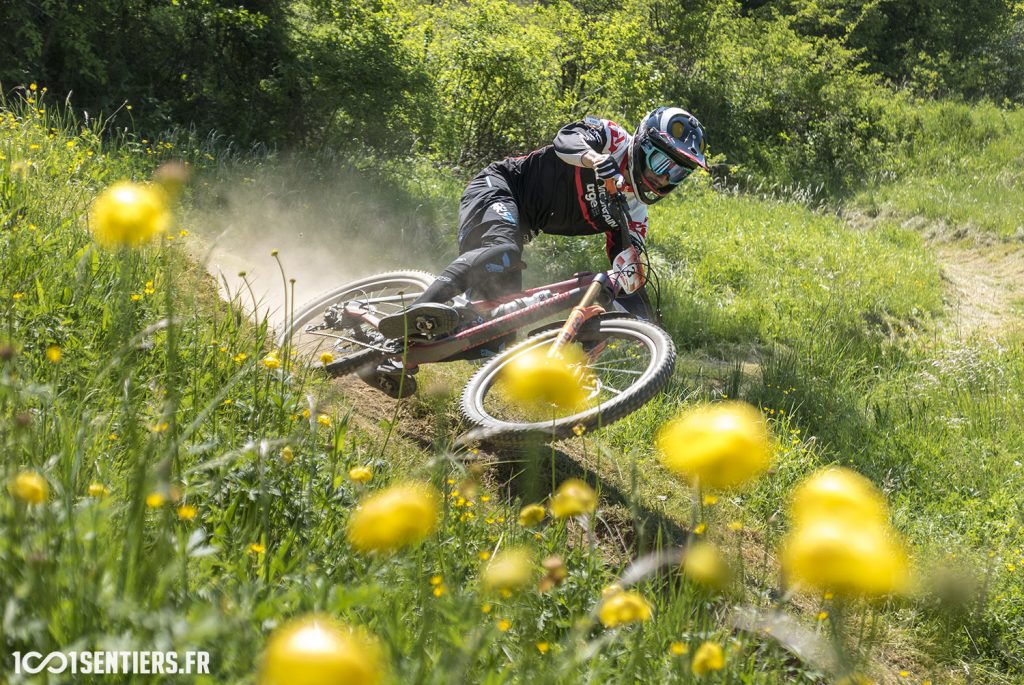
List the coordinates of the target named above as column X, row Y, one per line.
column 350, row 343
column 630, row 362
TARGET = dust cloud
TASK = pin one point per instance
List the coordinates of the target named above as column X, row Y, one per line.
column 327, row 226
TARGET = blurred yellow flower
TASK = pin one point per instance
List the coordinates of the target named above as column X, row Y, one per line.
column 326, row 358
column 707, row 658
column 17, row 296
column 509, row 570
column 705, row 565
column 837, row 492
column 848, row 560
column 271, row 361
column 154, row 500
column 678, row 649
column 543, row 647
column 393, row 518
column 257, row 548
column 531, row 515
column 324, row 420
column 54, row 354
column 29, row 487
column 620, row 608
column 504, row 624
column 315, row 650
column 719, row 446
column 360, row 474
column 534, row 379
column 287, row 455
column 573, row 498
column 98, row 490
column 186, row 512
column 240, row 357
column 129, row 214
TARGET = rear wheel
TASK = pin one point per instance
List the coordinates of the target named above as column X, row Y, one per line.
column 350, row 343
column 631, row 361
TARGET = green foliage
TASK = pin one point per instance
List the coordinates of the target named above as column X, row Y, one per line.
column 938, row 47
column 782, row 109
column 959, row 166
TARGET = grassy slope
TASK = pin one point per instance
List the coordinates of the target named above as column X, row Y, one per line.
column 831, row 323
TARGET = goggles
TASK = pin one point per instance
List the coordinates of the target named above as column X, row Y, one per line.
column 661, row 164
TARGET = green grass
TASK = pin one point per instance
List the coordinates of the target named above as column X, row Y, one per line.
column 826, row 328
column 960, row 166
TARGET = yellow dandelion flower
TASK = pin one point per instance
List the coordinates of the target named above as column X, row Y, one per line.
column 736, row 525
column 534, row 379
column 440, row 590
column 621, row 608
column 700, row 528
column 719, row 446
column 17, row 296
column 129, row 214
column 504, row 624
column 573, row 498
column 98, row 490
column 240, row 357
column 509, row 570
column 678, row 649
column 836, row 492
column 186, row 512
column 710, row 500
column 287, row 455
column 483, row 555
column 29, row 487
column 708, row 657
column 159, row 427
column 399, row 516
column 257, row 548
column 360, row 474
column 705, row 565
column 314, row 650
column 324, row 420
column 326, row 358
column 822, row 615
column 531, row 515
column 54, row 354
column 543, row 647
column 271, row 361
column 845, row 559
column 155, row 500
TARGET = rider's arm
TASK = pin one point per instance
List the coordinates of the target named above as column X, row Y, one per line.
column 585, row 143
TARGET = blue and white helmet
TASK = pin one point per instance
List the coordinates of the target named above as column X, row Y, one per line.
column 669, row 143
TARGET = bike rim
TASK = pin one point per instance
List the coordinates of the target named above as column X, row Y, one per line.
column 628, row 359
column 384, row 298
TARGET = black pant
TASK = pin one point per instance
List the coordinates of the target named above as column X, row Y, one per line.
column 490, row 244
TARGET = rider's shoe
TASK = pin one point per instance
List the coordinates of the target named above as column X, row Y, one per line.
column 427, row 320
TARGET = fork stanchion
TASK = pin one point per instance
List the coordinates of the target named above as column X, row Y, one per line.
column 585, row 310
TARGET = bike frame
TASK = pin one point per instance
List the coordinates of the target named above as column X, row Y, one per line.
column 565, row 294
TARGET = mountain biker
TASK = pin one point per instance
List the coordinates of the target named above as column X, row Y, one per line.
column 556, row 189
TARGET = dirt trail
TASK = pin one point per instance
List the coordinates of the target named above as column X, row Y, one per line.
column 984, row 286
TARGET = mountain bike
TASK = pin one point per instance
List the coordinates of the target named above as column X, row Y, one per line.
column 628, row 360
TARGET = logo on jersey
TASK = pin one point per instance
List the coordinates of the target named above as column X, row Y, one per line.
column 616, row 136
column 501, row 210
column 597, row 198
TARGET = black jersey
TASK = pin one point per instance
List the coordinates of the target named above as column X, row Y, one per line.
column 556, row 194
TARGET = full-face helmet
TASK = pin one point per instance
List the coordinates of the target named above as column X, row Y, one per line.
column 668, row 145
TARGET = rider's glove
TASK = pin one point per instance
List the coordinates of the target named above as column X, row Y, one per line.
column 606, row 168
